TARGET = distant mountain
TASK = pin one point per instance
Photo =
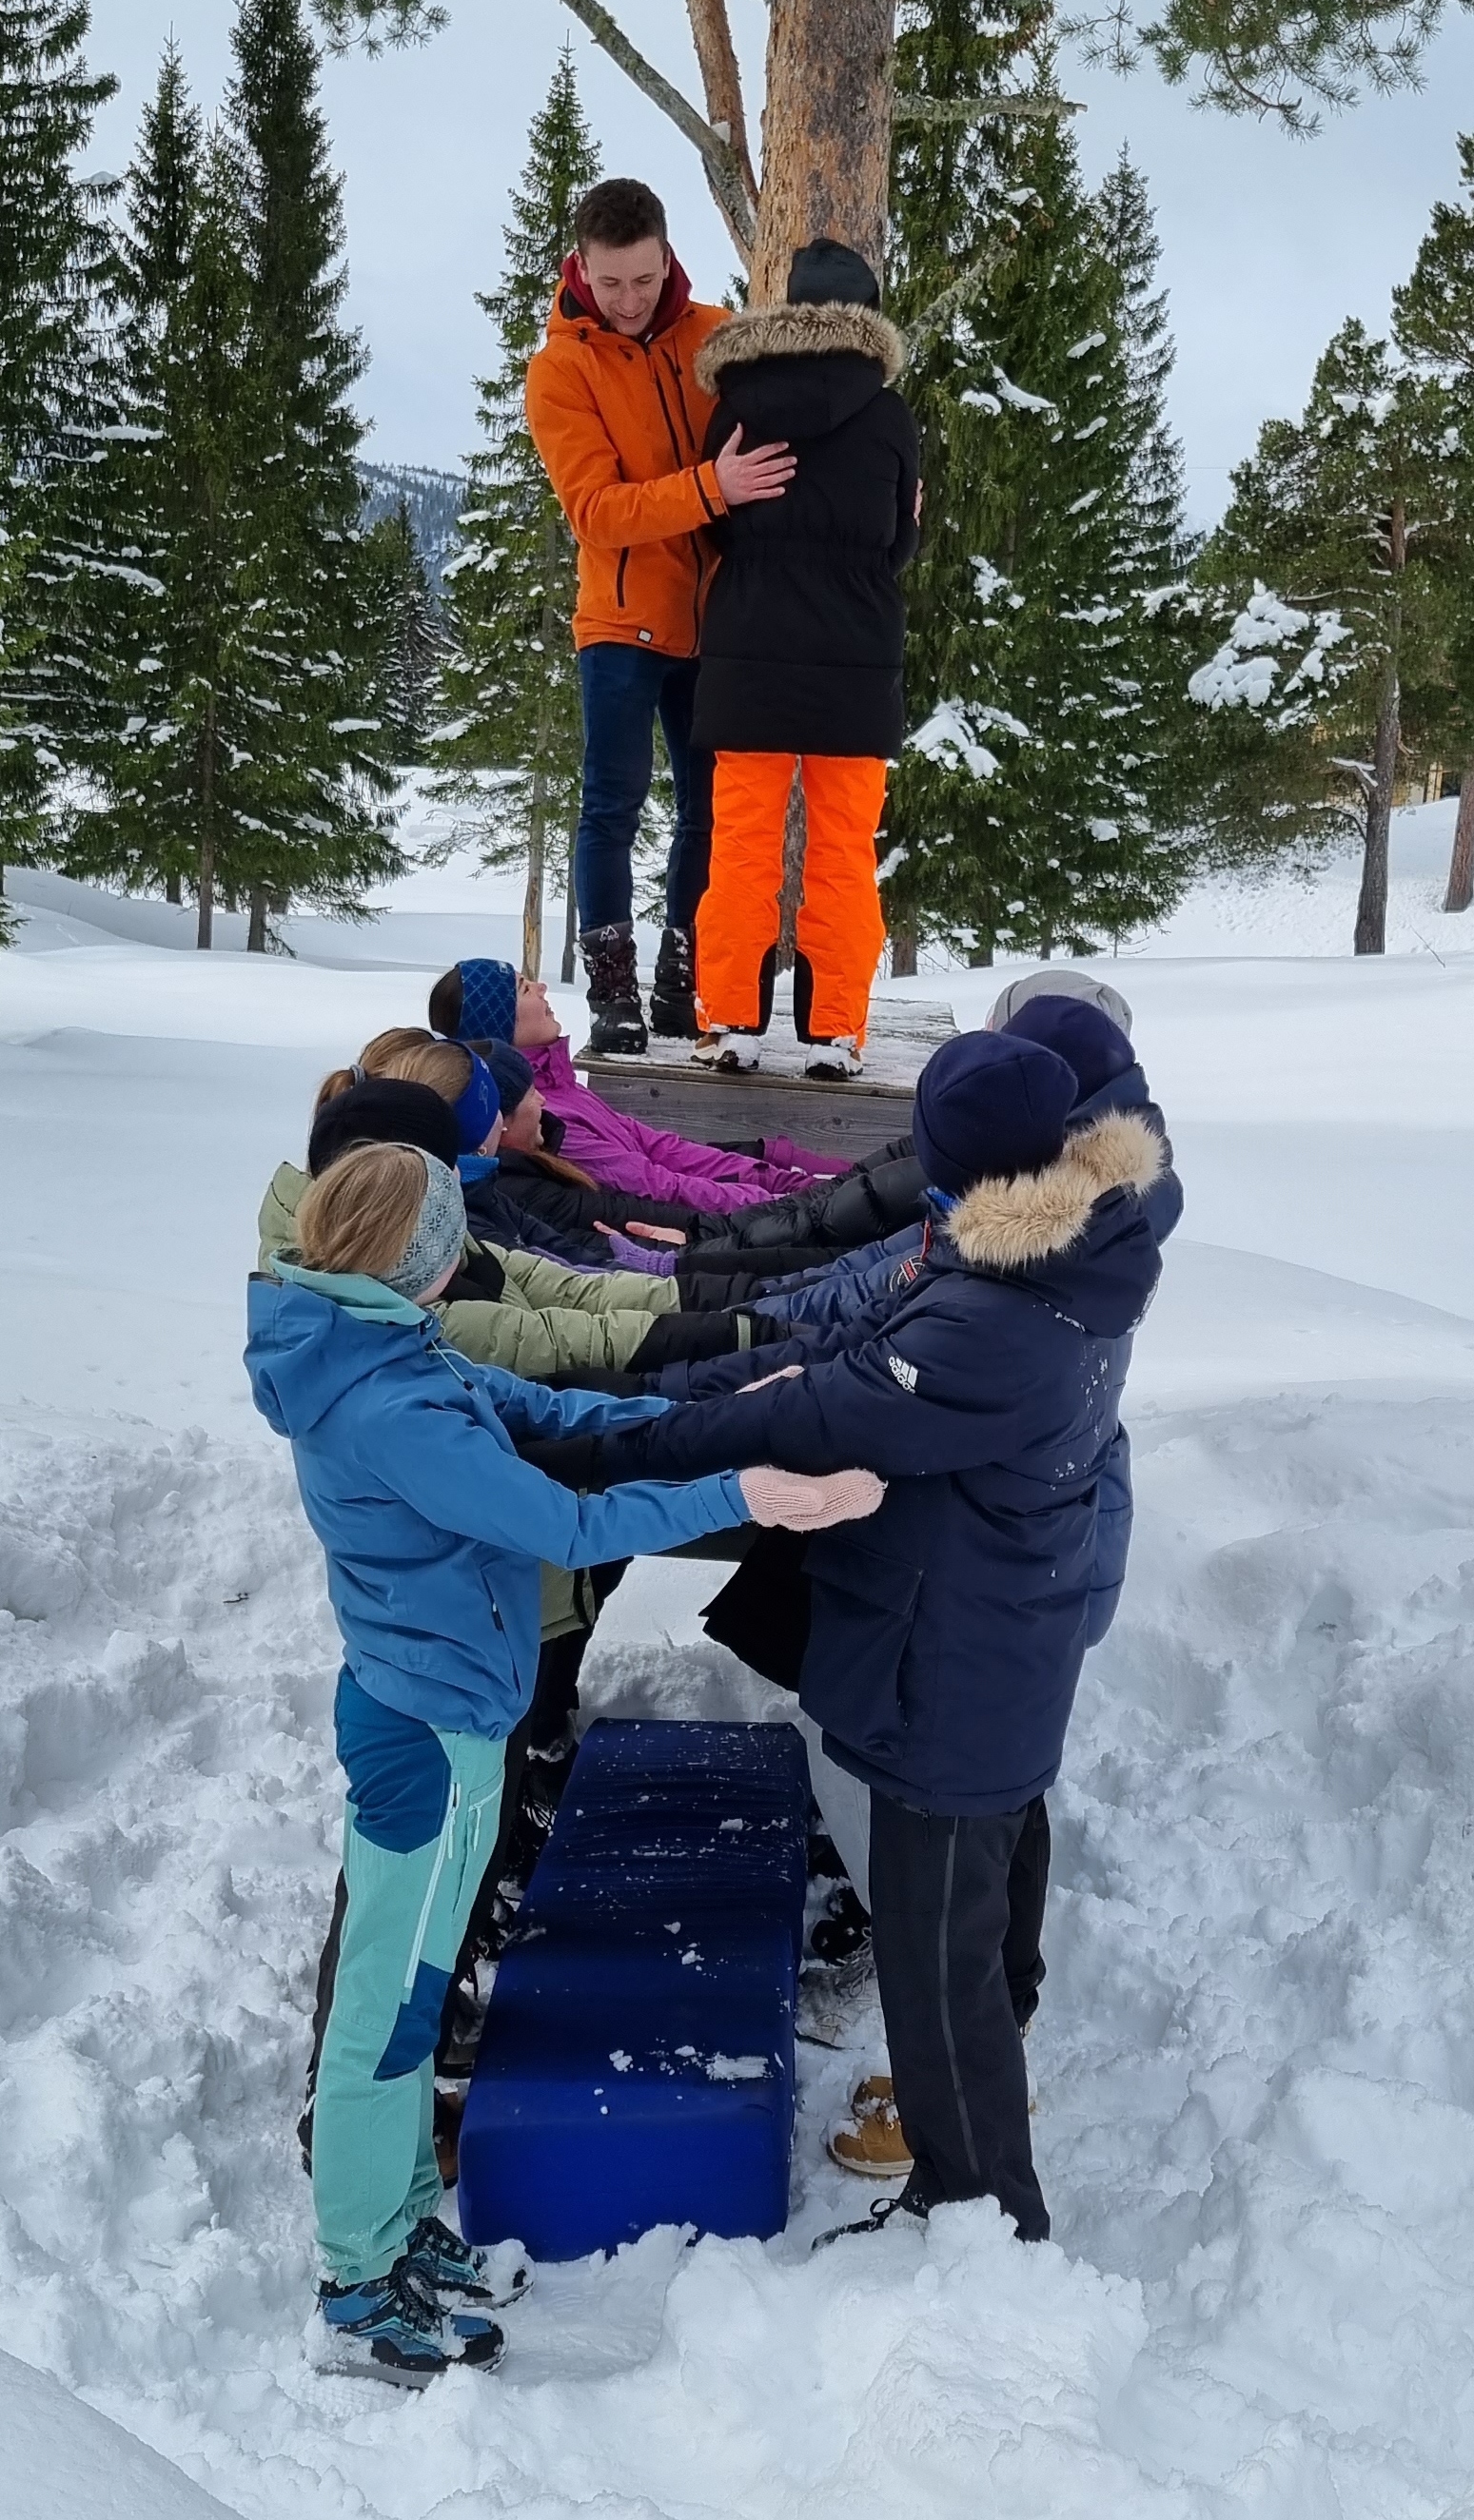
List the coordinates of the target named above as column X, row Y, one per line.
column 435, row 501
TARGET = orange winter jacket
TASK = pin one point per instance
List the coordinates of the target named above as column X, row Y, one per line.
column 620, row 423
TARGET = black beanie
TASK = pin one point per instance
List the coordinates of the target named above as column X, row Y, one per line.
column 989, row 1106
column 824, row 273
column 387, row 1111
column 513, row 1072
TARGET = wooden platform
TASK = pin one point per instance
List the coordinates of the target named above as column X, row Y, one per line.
column 780, row 1100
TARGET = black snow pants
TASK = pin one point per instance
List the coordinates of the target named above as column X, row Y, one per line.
column 957, row 1907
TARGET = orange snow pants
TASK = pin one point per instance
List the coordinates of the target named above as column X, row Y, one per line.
column 839, row 929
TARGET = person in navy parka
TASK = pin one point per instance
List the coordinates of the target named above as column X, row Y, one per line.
column 946, row 1641
column 1098, row 1046
column 1110, row 1079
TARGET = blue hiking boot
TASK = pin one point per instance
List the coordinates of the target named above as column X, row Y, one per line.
column 389, row 2329
column 452, row 2275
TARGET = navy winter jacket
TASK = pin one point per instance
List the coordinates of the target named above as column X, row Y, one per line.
column 823, row 1298
column 948, row 1635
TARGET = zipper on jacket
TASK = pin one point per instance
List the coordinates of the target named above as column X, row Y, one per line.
column 443, row 1855
column 675, row 444
column 701, row 572
column 680, row 460
column 620, row 578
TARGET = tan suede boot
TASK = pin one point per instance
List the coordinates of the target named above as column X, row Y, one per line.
column 869, row 2142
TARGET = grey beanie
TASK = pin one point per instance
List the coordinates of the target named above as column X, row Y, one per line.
column 438, row 1233
column 1059, row 982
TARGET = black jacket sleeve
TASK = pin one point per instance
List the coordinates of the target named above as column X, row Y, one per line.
column 908, row 531
column 909, row 1401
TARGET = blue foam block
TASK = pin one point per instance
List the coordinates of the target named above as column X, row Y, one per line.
column 637, row 2065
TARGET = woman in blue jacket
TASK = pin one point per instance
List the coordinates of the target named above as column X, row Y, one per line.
column 433, row 1531
column 946, row 1641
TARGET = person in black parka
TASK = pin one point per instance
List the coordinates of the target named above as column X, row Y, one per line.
column 800, row 654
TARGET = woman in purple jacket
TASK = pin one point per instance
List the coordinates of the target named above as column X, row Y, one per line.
column 481, row 1000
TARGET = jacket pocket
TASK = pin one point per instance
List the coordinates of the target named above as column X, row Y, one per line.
column 862, row 1612
column 620, row 578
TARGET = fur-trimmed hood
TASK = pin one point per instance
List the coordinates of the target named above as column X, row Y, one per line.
column 797, row 331
column 1062, row 1231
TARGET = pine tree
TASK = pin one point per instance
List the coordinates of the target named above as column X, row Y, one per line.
column 411, row 660
column 1433, row 322
column 510, row 686
column 172, row 788
column 1359, row 507
column 1032, row 806
column 55, row 403
column 950, row 215
column 1155, row 481
column 313, row 826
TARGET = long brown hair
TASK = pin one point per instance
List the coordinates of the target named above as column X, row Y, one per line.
column 411, row 1055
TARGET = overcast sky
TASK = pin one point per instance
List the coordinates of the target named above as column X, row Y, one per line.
column 1269, row 243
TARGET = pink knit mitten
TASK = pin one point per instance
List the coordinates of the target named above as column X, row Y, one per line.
column 802, row 1503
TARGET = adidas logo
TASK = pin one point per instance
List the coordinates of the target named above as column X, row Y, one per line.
column 905, row 1374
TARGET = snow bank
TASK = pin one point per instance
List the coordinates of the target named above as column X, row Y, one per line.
column 1252, row 2053
column 63, row 2455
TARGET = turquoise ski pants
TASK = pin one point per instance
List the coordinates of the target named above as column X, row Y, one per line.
column 419, row 1831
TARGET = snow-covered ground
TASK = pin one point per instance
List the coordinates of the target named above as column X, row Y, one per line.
column 1256, row 2054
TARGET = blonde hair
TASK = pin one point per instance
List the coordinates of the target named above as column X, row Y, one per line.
column 413, row 1057
column 356, row 1219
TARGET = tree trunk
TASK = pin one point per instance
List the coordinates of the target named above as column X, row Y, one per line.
column 532, row 900
column 537, row 819
column 173, row 891
column 795, row 841
column 1371, row 903
column 255, row 931
column 205, row 926
column 826, row 134
column 1461, row 890
column 904, row 951
column 570, row 963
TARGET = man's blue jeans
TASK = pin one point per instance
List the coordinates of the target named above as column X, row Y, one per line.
column 625, row 690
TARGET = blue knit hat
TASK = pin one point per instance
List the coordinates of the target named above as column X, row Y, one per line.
column 1096, row 1049
column 989, row 1106
column 513, row 1072
column 488, row 1000
column 476, row 1107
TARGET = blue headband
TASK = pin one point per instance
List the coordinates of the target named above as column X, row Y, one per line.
column 488, row 1000
column 477, row 1107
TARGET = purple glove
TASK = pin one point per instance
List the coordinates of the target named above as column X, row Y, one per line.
column 652, row 1259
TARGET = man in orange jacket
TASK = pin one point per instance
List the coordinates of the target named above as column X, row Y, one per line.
column 619, row 421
